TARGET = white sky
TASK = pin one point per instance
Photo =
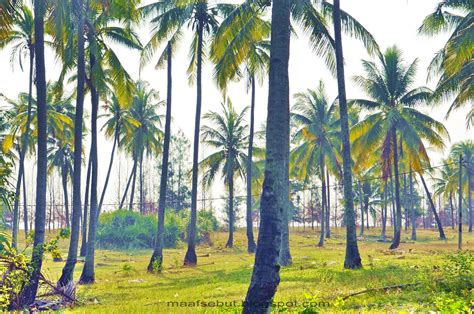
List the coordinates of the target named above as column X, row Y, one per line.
column 390, row 21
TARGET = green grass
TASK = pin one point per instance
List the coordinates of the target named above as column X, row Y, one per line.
column 123, row 285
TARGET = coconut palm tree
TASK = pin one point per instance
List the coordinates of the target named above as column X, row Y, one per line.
column 453, row 63
column 169, row 19
column 394, row 125
column 239, row 47
column 20, row 36
column 445, row 184
column 145, row 138
column 318, row 141
column 28, row 294
column 226, row 133
column 466, row 150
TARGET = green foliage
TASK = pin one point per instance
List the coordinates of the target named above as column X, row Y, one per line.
column 130, row 230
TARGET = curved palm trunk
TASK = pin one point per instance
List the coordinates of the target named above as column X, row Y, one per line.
column 25, row 207
column 412, row 207
column 88, row 275
column 64, row 175
column 22, row 154
column 251, row 246
column 157, row 257
column 125, row 193
column 190, row 259
column 361, row 209
column 83, row 250
column 29, row 292
column 68, row 270
column 266, row 272
column 109, row 170
column 352, row 259
column 134, row 180
column 230, row 240
column 398, row 210
column 438, row 221
column 328, row 216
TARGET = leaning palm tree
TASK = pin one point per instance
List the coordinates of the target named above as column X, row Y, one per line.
column 20, row 37
column 453, row 63
column 169, row 19
column 240, row 49
column 226, row 133
column 466, row 150
column 394, row 124
column 317, row 142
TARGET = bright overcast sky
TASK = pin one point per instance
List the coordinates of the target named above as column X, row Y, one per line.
column 390, row 21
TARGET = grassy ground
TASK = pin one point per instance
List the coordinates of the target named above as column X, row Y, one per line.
column 123, row 285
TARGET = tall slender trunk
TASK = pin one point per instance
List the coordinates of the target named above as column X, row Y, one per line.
column 190, row 259
column 451, row 207
column 251, row 246
column 157, row 257
column 88, row 275
column 274, row 199
column 412, row 207
column 125, row 193
column 328, row 209
column 29, row 292
column 134, row 180
column 432, row 205
column 398, row 213
column 285, row 254
column 22, row 154
column 142, row 209
column 406, row 203
column 109, row 170
column 83, row 250
column 230, row 240
column 25, row 207
column 323, row 204
column 352, row 258
column 469, row 200
column 361, row 197
column 68, row 270
column 384, row 214
column 335, row 204
column 64, row 175
column 460, row 204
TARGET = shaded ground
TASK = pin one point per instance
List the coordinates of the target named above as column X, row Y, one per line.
column 316, row 276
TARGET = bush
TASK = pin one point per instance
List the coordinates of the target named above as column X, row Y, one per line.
column 124, row 229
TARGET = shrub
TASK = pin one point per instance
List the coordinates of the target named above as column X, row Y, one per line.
column 124, row 229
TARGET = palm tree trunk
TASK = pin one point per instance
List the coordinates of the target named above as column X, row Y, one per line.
column 266, row 272
column 398, row 213
column 141, row 185
column 230, row 240
column 28, row 294
column 25, row 207
column 251, row 246
column 412, row 207
column 64, row 176
column 323, row 204
column 361, row 209
column 352, row 258
column 406, row 204
column 451, row 207
column 83, row 250
column 469, row 199
column 384, row 215
column 109, row 170
column 460, row 204
column 328, row 209
column 438, row 221
column 285, row 254
column 132, row 192
column 190, row 259
column 125, row 193
column 157, row 257
column 88, row 275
